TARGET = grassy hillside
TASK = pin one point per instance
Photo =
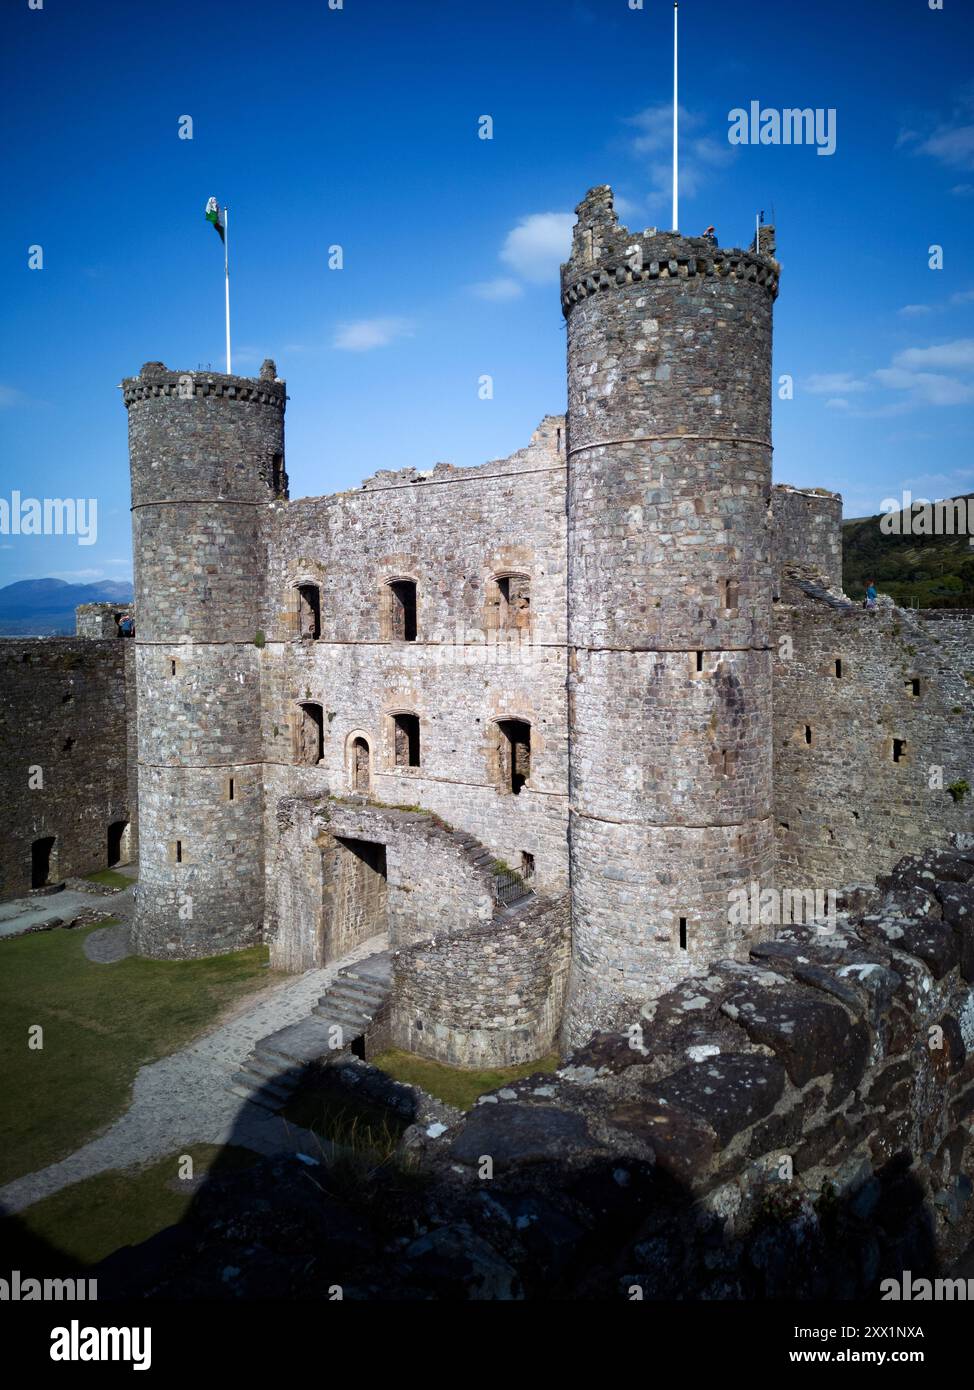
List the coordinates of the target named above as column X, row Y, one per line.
column 932, row 571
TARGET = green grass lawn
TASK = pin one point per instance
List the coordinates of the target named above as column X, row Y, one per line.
column 100, row 1024
column 110, row 879
column 89, row 1220
column 451, row 1084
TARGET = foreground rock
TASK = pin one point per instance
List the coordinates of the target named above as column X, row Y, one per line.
column 799, row 1126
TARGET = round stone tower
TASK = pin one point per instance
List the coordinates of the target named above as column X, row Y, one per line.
column 669, row 605
column 207, row 456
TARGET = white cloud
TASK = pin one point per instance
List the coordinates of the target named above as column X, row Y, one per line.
column 926, row 388
column 962, row 297
column 539, row 243
column 625, row 207
column 10, row 396
column 953, row 145
column 949, row 140
column 916, row 377
column 501, row 288
column 927, row 484
column 834, row 384
column 700, row 155
column 365, row 334
column 957, row 354
column 914, row 310
column 77, row 576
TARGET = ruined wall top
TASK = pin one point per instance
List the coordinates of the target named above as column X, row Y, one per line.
column 546, row 448
column 606, row 254
column 156, row 379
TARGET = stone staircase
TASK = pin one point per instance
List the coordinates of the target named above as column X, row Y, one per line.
column 279, row 1062
column 511, row 894
column 277, row 1065
column 820, row 594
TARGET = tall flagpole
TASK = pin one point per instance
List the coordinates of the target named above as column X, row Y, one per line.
column 226, row 273
column 676, row 156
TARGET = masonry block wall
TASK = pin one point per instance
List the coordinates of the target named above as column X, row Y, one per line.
column 429, row 883
column 873, row 715
column 98, row 619
column 669, row 602
column 474, row 662
column 490, row 996
column 807, row 535
column 795, row 1125
column 206, row 455
column 65, row 726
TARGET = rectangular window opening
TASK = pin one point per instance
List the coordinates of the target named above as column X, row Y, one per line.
column 407, row 739
column 309, row 610
column 683, row 933
column 515, row 751
column 913, row 687
column 404, row 626
column 899, row 750
column 527, row 864
column 179, row 851
column 514, row 606
column 311, row 735
column 699, row 661
column 808, row 733
column 230, row 789
column 838, row 668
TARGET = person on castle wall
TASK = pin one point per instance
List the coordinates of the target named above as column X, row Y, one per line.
column 126, row 625
column 871, row 595
column 711, row 236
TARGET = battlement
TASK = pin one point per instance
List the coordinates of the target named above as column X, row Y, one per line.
column 156, row 379
column 606, row 255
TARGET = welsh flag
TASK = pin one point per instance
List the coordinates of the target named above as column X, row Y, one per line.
column 213, row 215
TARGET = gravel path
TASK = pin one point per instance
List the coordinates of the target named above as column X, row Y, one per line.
column 185, row 1099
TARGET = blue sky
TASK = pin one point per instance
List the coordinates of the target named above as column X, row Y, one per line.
column 359, row 127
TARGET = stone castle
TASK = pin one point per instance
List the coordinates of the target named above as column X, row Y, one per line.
column 537, row 720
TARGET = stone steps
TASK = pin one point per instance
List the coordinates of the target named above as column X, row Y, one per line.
column 278, row 1063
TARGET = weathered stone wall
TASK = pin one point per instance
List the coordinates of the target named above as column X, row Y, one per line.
column 807, row 535
column 794, row 1127
column 206, row 455
column 669, row 602
column 433, row 884
column 452, row 531
column 98, row 619
column 798, row 1124
column 491, row 996
column 844, row 809
column 64, row 712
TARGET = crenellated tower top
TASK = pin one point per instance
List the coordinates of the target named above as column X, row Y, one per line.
column 606, row 254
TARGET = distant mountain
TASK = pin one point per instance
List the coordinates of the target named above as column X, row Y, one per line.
column 45, row 607
column 931, row 571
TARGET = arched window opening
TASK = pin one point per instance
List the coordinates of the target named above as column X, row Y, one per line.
column 360, row 759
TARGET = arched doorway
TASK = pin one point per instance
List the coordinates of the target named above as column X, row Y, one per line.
column 118, row 843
